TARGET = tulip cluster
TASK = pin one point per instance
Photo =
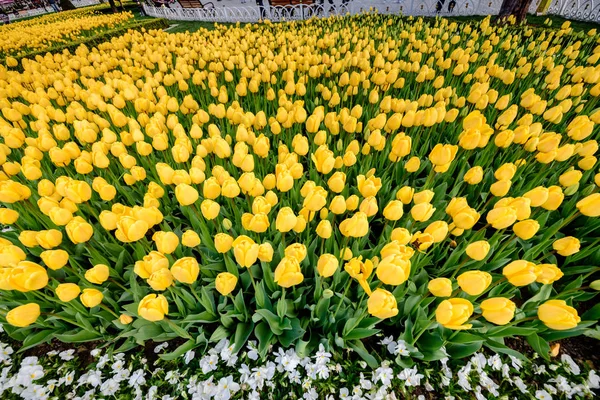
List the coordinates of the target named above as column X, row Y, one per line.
column 304, row 182
column 41, row 33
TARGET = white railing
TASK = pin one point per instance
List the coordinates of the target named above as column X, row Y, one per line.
column 84, row 3
column 588, row 10
column 28, row 13
column 585, row 10
column 254, row 13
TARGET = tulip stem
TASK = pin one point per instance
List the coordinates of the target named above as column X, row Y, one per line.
column 252, row 280
column 422, row 332
column 343, row 297
column 109, row 310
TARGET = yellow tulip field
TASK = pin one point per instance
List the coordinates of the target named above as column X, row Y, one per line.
column 56, row 28
column 302, row 183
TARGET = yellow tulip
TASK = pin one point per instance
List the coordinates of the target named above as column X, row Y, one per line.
column 225, row 283
column 474, row 282
column 23, row 315
column 186, row 270
column 288, row 272
column 454, row 313
column 498, row 310
column 556, row 314
column 440, row 287
column 153, row 307
column 382, row 304
column 67, row 291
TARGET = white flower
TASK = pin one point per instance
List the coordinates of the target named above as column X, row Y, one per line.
column 286, row 361
column 118, row 365
column 518, row 382
column 428, row 387
column 495, row 362
column 95, row 353
column 571, row 365
column 137, row 378
column 102, row 361
column 294, row 377
column 550, row 389
column 52, row 353
column 539, row 369
column 225, row 387
column 322, row 356
column 189, row 356
column 411, row 376
column 365, row 383
column 311, row 394
column 489, row 384
column 161, row 347
column 93, row 378
column 516, row 363
column 252, row 350
column 209, row 363
column 67, row 355
column 542, row 395
column 5, row 353
column 344, row 393
column 479, row 361
column 593, row 380
column 478, row 394
column 383, row 374
column 109, row 387
column 29, row 361
column 401, row 348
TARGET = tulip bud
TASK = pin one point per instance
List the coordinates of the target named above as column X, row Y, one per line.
column 153, row 307
column 454, row 313
column 556, row 314
column 327, row 265
column 474, row 282
column 382, row 304
column 526, row 229
column 521, row 272
column 440, row 287
column 23, row 315
column 67, row 291
column 566, row 246
column 225, row 283
column 97, row 275
column 91, row 297
column 498, row 310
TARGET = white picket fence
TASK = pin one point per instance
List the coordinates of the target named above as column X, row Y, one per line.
column 84, row 3
column 234, row 10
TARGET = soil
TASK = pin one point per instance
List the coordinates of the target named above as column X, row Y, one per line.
column 582, row 349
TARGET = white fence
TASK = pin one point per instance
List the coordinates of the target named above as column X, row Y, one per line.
column 28, row 13
column 234, row 11
column 84, row 3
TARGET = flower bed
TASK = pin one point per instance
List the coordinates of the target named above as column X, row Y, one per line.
column 305, row 185
column 38, row 34
column 219, row 373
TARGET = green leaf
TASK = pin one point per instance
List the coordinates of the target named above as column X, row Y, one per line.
column 208, row 301
column 37, row 338
column 359, row 347
column 78, row 337
column 147, row 332
column 295, row 332
column 462, row 350
column 361, row 333
column 179, row 351
column 539, row 297
column 264, row 335
column 593, row 314
column 539, row 345
column 501, row 348
column 271, row 319
column 281, row 308
column 218, row 334
column 503, row 331
column 242, row 333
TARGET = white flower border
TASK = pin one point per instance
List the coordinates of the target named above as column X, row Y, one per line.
column 221, row 375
